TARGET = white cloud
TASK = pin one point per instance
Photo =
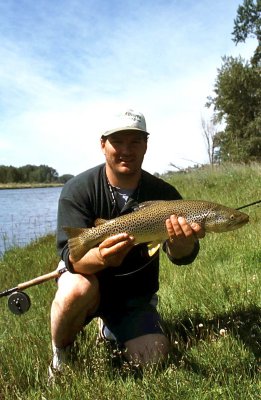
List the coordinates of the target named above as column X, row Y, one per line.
column 63, row 69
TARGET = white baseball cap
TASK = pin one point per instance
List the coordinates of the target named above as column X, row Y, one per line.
column 128, row 120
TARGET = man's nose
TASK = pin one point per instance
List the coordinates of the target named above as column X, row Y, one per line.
column 126, row 149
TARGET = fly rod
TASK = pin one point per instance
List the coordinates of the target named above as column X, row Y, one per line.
column 18, row 301
column 36, row 281
column 248, row 205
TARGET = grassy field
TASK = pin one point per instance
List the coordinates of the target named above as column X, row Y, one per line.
column 211, row 311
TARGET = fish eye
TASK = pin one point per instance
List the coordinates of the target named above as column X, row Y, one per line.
column 232, row 217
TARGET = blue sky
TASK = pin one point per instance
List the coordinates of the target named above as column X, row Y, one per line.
column 66, row 65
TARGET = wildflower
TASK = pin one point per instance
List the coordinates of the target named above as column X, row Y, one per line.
column 223, row 332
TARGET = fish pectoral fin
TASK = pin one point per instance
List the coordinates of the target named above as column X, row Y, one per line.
column 100, row 221
column 153, row 247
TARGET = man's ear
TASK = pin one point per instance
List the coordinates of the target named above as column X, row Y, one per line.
column 102, row 143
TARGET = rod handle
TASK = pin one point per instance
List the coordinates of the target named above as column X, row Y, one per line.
column 40, row 279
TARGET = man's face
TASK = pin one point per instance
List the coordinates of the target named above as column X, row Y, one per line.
column 124, row 151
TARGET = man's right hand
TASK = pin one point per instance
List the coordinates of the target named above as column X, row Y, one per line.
column 114, row 249
column 110, row 253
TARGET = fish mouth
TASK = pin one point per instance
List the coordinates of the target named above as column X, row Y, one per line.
column 244, row 219
column 228, row 224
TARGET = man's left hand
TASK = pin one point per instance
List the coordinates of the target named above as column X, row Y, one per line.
column 182, row 236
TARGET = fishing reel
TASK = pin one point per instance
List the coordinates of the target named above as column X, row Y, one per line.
column 19, row 303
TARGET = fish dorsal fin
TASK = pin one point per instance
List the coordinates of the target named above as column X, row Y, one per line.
column 100, row 221
column 145, row 204
column 153, row 247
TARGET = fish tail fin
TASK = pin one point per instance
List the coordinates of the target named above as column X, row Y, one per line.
column 77, row 241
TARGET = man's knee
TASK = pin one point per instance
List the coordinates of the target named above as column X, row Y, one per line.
column 77, row 288
column 147, row 349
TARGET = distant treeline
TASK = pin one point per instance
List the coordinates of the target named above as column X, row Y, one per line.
column 31, row 174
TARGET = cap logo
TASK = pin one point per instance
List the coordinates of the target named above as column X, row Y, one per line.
column 135, row 117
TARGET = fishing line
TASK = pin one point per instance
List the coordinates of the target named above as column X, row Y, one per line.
column 138, row 269
column 248, row 205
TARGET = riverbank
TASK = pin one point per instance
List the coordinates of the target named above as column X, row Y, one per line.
column 28, row 185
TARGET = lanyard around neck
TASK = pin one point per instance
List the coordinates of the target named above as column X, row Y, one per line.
column 112, row 190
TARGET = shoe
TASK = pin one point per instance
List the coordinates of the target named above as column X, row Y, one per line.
column 62, row 357
column 104, row 334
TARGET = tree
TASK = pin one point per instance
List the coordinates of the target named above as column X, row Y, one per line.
column 209, row 131
column 28, row 173
column 237, row 102
column 248, row 23
column 64, row 178
column 237, row 89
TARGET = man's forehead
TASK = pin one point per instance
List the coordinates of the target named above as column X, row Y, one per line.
column 127, row 133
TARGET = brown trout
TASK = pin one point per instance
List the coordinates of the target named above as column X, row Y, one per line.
column 147, row 223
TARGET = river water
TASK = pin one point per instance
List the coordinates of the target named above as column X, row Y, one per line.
column 27, row 214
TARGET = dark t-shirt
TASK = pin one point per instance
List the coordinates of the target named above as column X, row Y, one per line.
column 88, row 196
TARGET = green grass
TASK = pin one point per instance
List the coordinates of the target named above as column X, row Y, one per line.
column 211, row 312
